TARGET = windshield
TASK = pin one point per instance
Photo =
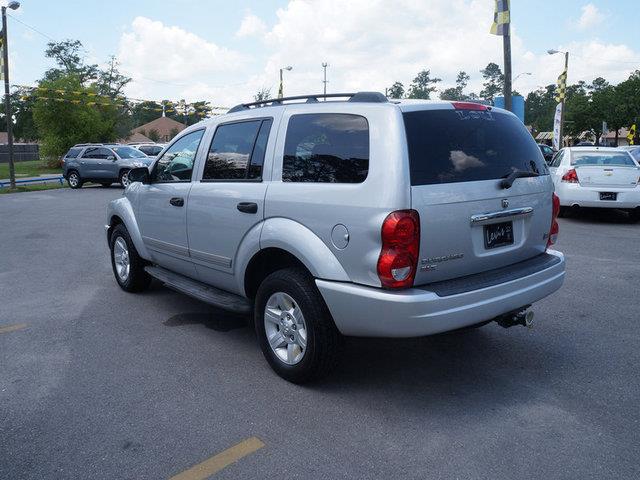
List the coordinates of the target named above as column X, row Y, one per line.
column 601, row 159
column 447, row 146
column 128, row 152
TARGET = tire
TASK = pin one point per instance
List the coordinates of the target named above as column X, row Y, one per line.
column 124, row 178
column 105, row 185
column 322, row 341
column 634, row 215
column 133, row 279
column 73, row 180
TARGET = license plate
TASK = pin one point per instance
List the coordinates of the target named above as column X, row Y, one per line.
column 608, row 196
column 498, row 234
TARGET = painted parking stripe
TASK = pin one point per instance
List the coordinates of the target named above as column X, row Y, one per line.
column 12, row 328
column 223, row 459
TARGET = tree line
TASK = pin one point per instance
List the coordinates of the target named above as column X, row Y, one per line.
column 58, row 120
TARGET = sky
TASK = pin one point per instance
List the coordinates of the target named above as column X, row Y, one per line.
column 225, row 51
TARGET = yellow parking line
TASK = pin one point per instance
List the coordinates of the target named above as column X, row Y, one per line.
column 13, row 328
column 221, row 460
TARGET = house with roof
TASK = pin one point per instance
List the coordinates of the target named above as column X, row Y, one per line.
column 165, row 127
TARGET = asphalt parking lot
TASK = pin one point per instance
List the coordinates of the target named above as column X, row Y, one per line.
column 98, row 383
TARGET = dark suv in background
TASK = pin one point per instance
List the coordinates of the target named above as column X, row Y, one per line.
column 103, row 164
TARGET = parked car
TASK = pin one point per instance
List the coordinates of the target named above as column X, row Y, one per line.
column 547, row 152
column 361, row 217
column 101, row 163
column 597, row 177
column 149, row 149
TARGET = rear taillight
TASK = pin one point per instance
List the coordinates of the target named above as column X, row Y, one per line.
column 469, row 106
column 553, row 231
column 398, row 259
column 571, row 176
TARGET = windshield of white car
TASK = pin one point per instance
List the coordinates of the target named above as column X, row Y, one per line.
column 602, row 159
column 128, row 152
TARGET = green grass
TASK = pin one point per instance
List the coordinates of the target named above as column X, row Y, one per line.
column 28, row 169
column 34, row 188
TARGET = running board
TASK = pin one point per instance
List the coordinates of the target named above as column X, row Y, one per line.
column 193, row 288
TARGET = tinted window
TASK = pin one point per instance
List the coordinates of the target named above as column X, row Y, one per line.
column 176, row 165
column 257, row 158
column 73, row 152
column 128, row 152
column 448, row 146
column 97, row 152
column 601, row 158
column 152, row 150
column 327, row 148
column 557, row 160
column 230, row 151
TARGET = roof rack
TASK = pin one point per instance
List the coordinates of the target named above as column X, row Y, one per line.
column 363, row 97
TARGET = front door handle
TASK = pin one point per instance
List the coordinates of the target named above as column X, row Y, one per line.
column 248, row 207
column 177, row 201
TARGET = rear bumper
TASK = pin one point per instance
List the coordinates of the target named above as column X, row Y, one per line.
column 574, row 194
column 372, row 312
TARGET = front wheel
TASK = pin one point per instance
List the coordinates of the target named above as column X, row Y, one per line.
column 128, row 266
column 294, row 327
column 124, row 178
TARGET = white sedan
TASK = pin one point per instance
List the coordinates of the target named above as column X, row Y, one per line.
column 600, row 177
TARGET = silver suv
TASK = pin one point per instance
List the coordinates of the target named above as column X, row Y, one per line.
column 101, row 163
column 363, row 217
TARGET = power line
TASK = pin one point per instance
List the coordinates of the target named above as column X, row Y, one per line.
column 32, row 28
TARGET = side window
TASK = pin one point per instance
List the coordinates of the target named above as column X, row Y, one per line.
column 73, row 152
column 326, row 148
column 557, row 159
column 237, row 151
column 97, row 152
column 176, row 165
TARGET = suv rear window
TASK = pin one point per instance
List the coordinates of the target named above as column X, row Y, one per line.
column 73, row 153
column 447, row 146
column 326, row 148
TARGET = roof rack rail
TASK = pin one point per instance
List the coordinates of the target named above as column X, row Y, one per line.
column 364, row 97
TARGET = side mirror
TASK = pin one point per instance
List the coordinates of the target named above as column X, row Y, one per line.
column 111, row 157
column 139, row 174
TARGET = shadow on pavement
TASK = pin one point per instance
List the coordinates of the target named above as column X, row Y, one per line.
column 599, row 215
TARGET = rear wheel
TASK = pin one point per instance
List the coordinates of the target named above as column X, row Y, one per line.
column 294, row 327
column 128, row 266
column 74, row 180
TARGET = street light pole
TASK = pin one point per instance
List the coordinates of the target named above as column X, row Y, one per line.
column 324, row 67
column 281, row 88
column 7, row 99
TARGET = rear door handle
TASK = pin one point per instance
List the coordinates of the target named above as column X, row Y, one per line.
column 177, row 201
column 248, row 207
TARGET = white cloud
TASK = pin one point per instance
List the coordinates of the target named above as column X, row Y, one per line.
column 251, row 26
column 590, row 17
column 157, row 53
column 367, row 44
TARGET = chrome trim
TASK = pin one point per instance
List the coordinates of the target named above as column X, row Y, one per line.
column 211, row 258
column 489, row 217
column 165, row 247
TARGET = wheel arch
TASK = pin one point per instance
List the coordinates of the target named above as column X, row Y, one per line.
column 119, row 212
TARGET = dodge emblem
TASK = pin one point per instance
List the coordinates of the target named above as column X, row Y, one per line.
column 505, row 203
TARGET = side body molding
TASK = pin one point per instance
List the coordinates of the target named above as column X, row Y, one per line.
column 298, row 240
column 122, row 208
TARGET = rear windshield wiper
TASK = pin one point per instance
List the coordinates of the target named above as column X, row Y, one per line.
column 509, row 179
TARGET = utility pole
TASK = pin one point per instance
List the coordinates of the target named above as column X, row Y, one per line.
column 506, row 48
column 324, row 67
column 7, row 99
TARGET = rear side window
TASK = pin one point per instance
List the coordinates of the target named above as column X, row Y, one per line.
column 73, row 152
column 152, row 151
column 601, row 159
column 237, row 151
column 98, row 152
column 326, row 148
column 447, row 146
